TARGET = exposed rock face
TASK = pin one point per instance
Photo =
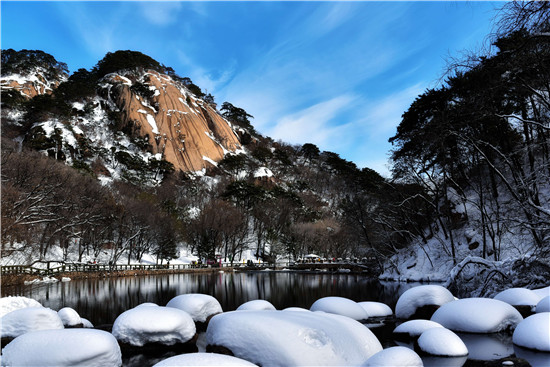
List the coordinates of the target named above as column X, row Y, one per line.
column 187, row 131
column 30, row 85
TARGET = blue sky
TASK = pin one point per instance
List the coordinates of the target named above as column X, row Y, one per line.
column 336, row 74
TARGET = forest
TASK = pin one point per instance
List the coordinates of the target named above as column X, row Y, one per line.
column 470, row 172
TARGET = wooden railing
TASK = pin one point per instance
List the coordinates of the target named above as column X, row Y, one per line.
column 92, row 268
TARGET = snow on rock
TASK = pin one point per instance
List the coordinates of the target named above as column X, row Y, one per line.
column 165, row 325
column 298, row 309
column 256, row 305
column 424, row 295
column 534, row 332
column 68, row 347
column 8, row 304
column 542, row 292
column 69, row 317
column 340, row 306
column 263, row 172
column 199, row 306
column 281, row 338
column 543, row 305
column 414, row 328
column 442, row 342
column 203, row 359
column 28, row 319
column 147, row 304
column 86, row 323
column 477, row 315
column 518, row 297
column 376, row 309
column 395, row 356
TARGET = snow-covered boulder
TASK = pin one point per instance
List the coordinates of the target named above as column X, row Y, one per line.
column 28, row 319
column 203, row 359
column 70, row 317
column 299, row 309
column 199, row 306
column 376, row 309
column 340, row 306
column 534, row 332
column 441, row 342
column 86, row 323
column 422, row 301
column 9, row 304
column 147, row 304
column 256, row 305
column 542, row 292
column 164, row 325
column 414, row 328
column 543, row 305
column 477, row 315
column 395, row 356
column 282, row 338
column 69, row 347
column 518, row 297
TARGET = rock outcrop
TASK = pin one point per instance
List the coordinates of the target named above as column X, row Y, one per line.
column 187, row 131
column 30, row 85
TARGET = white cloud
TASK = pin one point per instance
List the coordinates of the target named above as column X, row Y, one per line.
column 384, row 115
column 160, row 12
column 314, row 124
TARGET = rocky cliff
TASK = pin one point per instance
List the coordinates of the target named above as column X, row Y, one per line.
column 29, row 85
column 185, row 130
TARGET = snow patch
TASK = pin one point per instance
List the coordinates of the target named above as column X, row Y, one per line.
column 414, row 328
column 543, row 305
column 534, row 332
column 340, row 306
column 256, row 305
column 423, row 295
column 68, row 347
column 518, row 297
column 395, row 356
column 203, row 359
column 477, row 315
column 280, row 338
column 153, row 123
column 442, row 342
column 28, row 319
column 376, row 309
column 69, row 316
column 164, row 325
column 9, row 304
column 198, row 306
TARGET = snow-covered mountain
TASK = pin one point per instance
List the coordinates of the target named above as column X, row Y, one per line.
column 135, row 119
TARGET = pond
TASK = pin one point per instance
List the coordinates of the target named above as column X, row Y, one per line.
column 102, row 300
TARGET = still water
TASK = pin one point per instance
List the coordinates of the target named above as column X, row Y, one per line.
column 102, row 300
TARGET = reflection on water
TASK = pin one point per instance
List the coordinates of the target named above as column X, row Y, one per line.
column 102, row 300
column 487, row 347
column 535, row 359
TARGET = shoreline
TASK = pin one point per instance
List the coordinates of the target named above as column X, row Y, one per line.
column 11, row 280
column 20, row 279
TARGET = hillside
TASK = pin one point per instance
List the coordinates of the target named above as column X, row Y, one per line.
column 129, row 162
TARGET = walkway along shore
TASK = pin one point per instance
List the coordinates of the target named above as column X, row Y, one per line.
column 19, row 274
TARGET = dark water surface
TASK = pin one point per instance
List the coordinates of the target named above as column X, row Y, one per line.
column 102, row 300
